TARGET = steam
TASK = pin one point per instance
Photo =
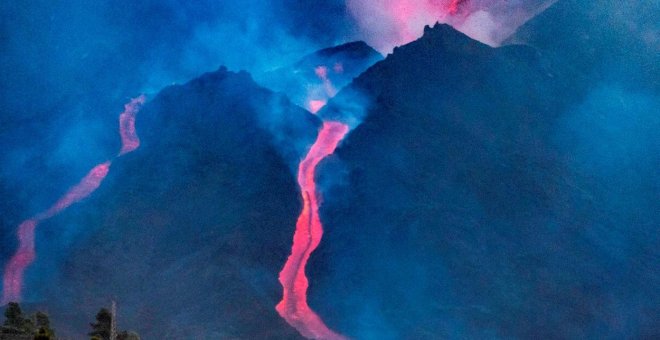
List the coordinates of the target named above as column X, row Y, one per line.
column 386, row 24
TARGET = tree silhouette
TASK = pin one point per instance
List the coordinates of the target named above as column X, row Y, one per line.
column 125, row 335
column 42, row 335
column 20, row 326
column 14, row 316
column 16, row 322
column 101, row 328
column 42, row 323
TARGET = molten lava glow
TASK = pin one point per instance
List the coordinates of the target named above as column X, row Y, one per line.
column 25, row 255
column 316, row 105
column 87, row 185
column 389, row 23
column 386, row 24
column 408, row 17
column 129, row 138
column 309, row 230
column 321, row 72
column 318, row 97
column 454, row 6
column 13, row 277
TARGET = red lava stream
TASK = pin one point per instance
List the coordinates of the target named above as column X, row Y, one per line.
column 309, row 230
column 26, row 254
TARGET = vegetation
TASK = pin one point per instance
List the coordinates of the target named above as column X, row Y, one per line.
column 101, row 329
column 18, row 326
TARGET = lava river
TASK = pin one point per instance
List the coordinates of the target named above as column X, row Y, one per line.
column 25, row 254
column 293, row 307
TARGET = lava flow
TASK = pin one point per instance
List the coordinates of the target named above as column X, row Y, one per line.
column 129, row 137
column 318, row 96
column 293, row 307
column 25, row 255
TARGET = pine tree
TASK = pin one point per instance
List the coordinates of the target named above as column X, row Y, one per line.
column 14, row 316
column 16, row 322
column 101, row 329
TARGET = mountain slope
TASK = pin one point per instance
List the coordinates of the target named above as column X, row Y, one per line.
column 603, row 40
column 490, row 193
column 318, row 75
column 189, row 232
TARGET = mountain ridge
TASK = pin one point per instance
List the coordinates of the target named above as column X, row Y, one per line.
column 191, row 265
column 469, row 199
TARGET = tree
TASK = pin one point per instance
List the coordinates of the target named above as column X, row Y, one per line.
column 14, row 316
column 42, row 335
column 42, row 323
column 19, row 326
column 16, row 322
column 42, row 320
column 101, row 329
column 125, row 335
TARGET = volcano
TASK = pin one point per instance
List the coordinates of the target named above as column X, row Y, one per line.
column 461, row 191
column 209, row 159
column 308, row 79
column 475, row 205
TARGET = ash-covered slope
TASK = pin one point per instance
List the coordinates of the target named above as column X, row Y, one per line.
column 189, row 232
column 303, row 81
column 491, row 193
column 605, row 40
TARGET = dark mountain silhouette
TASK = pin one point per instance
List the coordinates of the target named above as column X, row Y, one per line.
column 343, row 63
column 492, row 193
column 189, row 233
column 600, row 40
column 488, row 193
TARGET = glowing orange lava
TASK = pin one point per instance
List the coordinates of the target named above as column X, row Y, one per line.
column 318, row 96
column 129, row 137
column 316, row 105
column 13, row 277
column 322, row 74
column 25, row 255
column 309, row 230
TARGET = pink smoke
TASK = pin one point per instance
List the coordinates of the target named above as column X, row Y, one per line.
column 385, row 24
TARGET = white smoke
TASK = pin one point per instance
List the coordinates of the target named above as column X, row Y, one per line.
column 386, row 24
